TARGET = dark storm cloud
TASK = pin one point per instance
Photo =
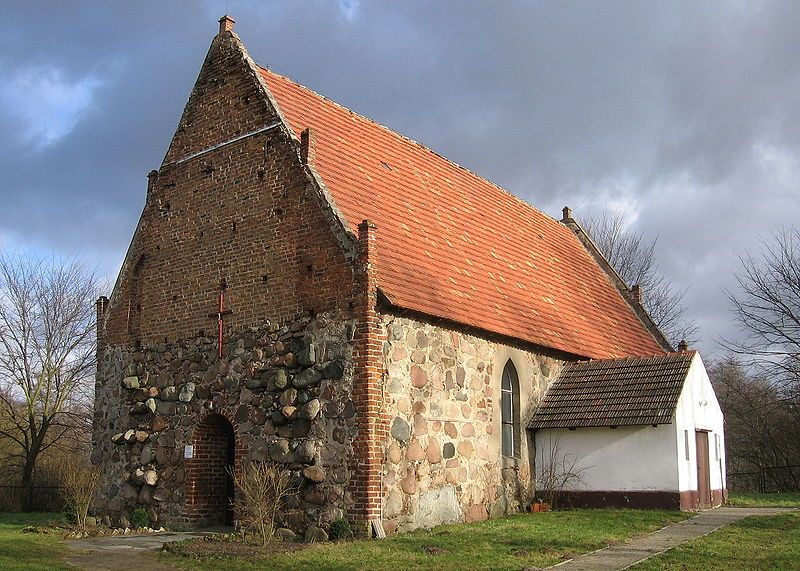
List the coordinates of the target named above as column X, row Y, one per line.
column 683, row 114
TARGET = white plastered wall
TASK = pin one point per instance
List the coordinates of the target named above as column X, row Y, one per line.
column 627, row 458
column 698, row 409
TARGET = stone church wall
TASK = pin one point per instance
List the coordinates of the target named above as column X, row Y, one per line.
column 443, row 458
column 286, row 390
column 235, row 207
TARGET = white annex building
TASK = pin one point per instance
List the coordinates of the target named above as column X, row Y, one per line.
column 635, row 432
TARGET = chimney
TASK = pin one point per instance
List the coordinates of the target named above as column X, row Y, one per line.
column 566, row 214
column 226, row 24
column 682, row 346
column 307, row 143
column 152, row 178
column 636, row 293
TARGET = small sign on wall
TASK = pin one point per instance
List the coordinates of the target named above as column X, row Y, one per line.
column 188, row 451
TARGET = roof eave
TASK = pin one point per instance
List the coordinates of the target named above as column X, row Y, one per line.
column 642, row 423
column 388, row 305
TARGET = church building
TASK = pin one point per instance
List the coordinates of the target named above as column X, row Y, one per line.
column 307, row 287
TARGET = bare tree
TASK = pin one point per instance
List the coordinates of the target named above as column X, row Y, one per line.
column 633, row 257
column 47, row 355
column 767, row 308
column 762, row 449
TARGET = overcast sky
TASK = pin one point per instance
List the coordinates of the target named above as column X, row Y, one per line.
column 683, row 115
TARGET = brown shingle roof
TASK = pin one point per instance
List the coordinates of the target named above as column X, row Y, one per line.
column 614, row 392
column 451, row 244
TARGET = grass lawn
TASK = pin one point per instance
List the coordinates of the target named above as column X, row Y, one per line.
column 757, row 500
column 29, row 551
column 757, row 542
column 517, row 542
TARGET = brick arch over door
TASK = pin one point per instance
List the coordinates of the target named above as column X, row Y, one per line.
column 209, row 485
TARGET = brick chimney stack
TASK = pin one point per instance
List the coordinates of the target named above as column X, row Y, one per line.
column 307, row 143
column 566, row 214
column 636, row 293
column 226, row 24
column 152, row 179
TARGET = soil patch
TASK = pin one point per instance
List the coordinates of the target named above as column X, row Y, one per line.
column 223, row 546
column 434, row 550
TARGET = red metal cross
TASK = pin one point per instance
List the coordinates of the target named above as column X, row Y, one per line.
column 220, row 313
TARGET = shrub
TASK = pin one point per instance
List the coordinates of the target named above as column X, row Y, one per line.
column 560, row 471
column 262, row 490
column 340, row 529
column 138, row 518
column 70, row 514
column 79, row 481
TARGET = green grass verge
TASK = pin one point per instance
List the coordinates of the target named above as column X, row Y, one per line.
column 517, row 542
column 756, row 542
column 757, row 500
column 30, row 551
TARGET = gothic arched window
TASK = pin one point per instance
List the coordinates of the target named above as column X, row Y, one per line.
column 509, row 410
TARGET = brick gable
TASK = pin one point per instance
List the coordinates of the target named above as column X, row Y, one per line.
column 228, row 203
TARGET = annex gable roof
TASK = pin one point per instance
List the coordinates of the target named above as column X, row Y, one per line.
column 455, row 246
column 615, row 392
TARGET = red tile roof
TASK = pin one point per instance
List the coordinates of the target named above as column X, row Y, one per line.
column 615, row 392
column 453, row 245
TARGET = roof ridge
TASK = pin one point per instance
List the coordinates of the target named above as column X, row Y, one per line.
column 412, row 141
column 665, row 355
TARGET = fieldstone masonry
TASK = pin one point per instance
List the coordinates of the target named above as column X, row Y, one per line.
column 285, row 390
column 444, row 460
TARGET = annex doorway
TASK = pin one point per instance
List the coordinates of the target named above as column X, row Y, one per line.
column 703, row 471
column 209, row 485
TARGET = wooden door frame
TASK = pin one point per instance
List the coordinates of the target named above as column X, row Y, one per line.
column 705, row 502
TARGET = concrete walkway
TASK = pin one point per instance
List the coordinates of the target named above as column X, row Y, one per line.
column 134, row 552
column 617, row 557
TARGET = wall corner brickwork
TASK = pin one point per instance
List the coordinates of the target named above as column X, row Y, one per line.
column 368, row 385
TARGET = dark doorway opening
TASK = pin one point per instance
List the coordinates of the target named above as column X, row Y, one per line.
column 210, row 488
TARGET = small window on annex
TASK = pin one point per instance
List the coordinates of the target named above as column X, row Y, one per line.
column 509, row 408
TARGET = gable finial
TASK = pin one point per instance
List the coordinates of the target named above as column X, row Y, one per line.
column 226, row 24
column 566, row 213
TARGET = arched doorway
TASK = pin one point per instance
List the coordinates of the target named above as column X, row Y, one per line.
column 209, row 485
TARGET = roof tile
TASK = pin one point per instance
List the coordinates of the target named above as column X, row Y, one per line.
column 453, row 245
column 614, row 392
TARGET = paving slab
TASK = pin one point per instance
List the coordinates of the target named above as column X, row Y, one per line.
column 623, row 556
column 135, row 552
